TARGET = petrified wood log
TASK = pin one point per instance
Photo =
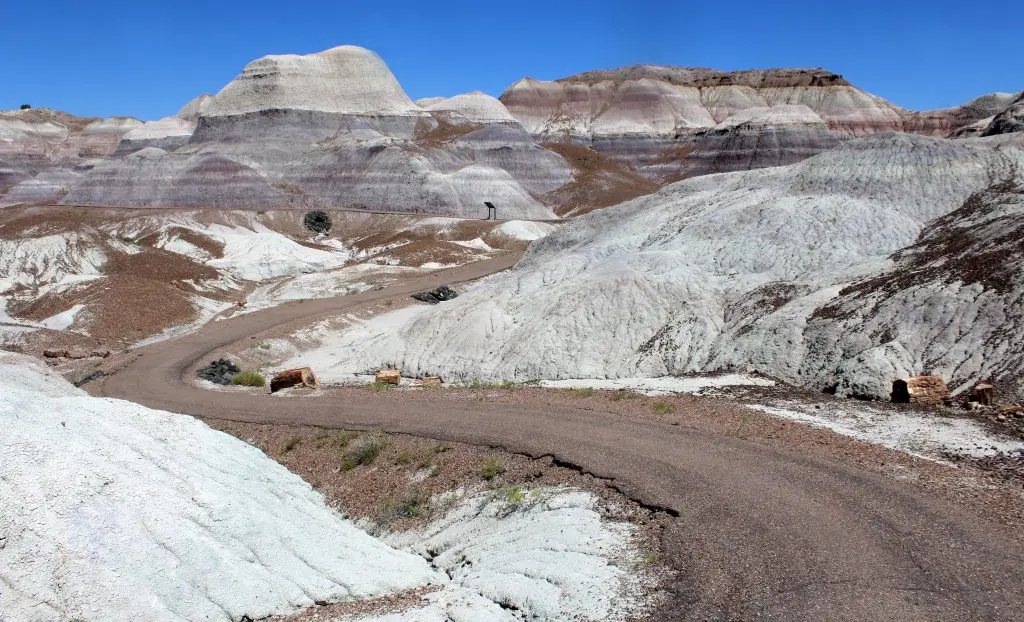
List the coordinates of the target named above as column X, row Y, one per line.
column 388, row 376
column 291, row 377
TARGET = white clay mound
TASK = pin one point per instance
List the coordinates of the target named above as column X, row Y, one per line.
column 475, row 106
column 112, row 511
column 168, row 126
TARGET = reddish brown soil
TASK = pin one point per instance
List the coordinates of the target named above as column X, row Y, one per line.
column 598, row 181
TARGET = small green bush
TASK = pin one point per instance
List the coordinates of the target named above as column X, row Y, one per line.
column 663, row 408
column 584, row 392
column 26, row 106
column 379, row 386
column 249, row 378
column 364, row 452
column 491, row 468
column 514, row 496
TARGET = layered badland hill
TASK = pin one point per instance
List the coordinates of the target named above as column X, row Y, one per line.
column 670, row 123
column 336, row 130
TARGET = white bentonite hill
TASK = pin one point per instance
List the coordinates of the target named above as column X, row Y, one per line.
column 751, row 270
column 112, row 511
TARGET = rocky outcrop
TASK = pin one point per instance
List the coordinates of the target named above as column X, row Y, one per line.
column 956, row 121
column 1008, row 121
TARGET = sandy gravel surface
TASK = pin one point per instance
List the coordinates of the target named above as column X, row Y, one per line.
column 769, row 518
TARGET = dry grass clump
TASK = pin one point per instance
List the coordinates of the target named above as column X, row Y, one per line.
column 624, row 394
column 663, row 408
column 364, row 452
column 249, row 378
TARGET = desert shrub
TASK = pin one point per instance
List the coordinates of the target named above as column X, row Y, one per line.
column 663, row 408
column 364, row 452
column 291, row 443
column 317, row 221
column 491, row 468
column 26, row 106
column 584, row 392
column 514, row 496
column 379, row 386
column 415, row 503
column 249, row 378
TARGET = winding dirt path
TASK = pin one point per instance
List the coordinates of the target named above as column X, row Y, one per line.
column 755, row 532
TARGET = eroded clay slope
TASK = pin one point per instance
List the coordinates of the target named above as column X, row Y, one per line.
column 725, row 272
column 114, row 511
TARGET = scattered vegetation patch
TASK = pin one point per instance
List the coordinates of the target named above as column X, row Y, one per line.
column 380, row 386
column 584, row 392
column 624, row 394
column 339, row 439
column 364, row 452
column 291, row 444
column 663, row 408
column 477, row 384
column 317, row 221
column 414, row 503
column 249, row 378
column 491, row 468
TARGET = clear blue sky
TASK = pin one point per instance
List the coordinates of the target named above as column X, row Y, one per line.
column 147, row 59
